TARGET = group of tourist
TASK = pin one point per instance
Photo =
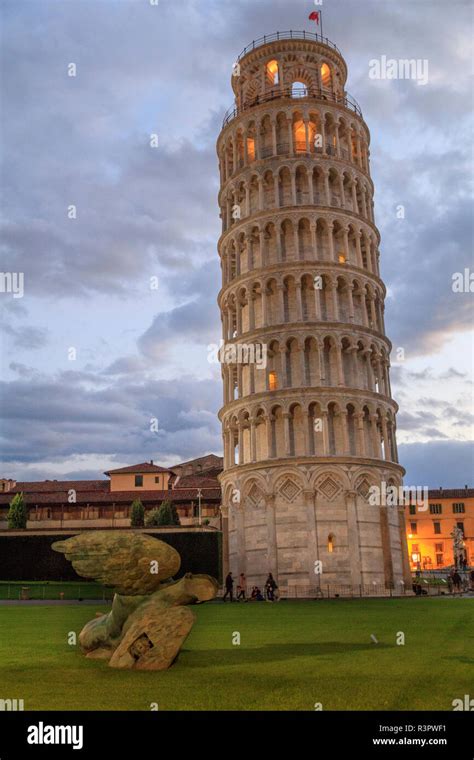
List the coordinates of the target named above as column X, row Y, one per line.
column 457, row 584
column 269, row 594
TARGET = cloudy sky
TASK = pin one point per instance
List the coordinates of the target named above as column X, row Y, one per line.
column 151, row 212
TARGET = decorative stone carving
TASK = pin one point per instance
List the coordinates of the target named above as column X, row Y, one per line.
column 289, row 490
column 329, row 487
column 255, row 495
column 363, row 488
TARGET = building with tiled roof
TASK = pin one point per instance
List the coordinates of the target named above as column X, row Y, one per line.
column 107, row 503
column 138, row 468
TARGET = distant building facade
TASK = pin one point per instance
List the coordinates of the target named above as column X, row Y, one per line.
column 107, row 503
column 430, row 524
column 210, row 464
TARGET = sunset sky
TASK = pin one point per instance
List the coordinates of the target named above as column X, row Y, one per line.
column 147, row 212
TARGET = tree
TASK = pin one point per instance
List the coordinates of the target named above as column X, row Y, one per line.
column 174, row 512
column 137, row 518
column 18, row 513
column 166, row 514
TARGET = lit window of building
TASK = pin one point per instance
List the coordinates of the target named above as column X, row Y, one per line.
column 299, row 136
column 272, row 72
column 272, row 381
column 325, row 75
column 251, row 148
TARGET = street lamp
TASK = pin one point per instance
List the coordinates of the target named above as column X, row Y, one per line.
column 199, row 494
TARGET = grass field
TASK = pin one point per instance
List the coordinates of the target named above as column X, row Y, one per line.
column 291, row 656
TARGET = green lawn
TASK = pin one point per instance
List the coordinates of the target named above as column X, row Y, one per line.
column 291, row 655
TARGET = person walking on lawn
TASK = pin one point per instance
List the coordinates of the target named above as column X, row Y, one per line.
column 243, row 587
column 229, row 588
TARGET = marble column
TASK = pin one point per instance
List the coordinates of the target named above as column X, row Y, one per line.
column 253, row 439
column 272, row 551
column 353, row 540
column 299, row 303
column 312, row 538
column 286, row 428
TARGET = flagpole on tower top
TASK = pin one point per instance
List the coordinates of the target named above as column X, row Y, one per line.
column 317, row 17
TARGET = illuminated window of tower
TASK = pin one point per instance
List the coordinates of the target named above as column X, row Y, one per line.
column 251, row 148
column 325, row 75
column 354, row 148
column 272, row 72
column 330, row 543
column 272, row 381
column 300, row 136
column 311, row 134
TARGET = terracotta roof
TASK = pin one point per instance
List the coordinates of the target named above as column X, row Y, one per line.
column 195, row 481
column 143, row 467
column 213, row 457
column 213, row 471
column 52, row 486
column 451, row 493
column 116, row 497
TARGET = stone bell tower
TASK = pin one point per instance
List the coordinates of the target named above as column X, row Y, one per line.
column 308, row 419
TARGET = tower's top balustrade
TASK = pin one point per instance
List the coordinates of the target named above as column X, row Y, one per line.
column 291, row 35
column 293, row 64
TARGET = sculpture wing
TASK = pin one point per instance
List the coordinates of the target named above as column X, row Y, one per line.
column 131, row 563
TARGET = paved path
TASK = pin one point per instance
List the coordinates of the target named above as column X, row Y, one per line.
column 49, row 602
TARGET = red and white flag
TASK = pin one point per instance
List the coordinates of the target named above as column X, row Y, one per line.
column 314, row 16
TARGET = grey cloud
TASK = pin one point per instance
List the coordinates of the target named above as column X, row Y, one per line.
column 61, row 418
column 125, row 365
column 26, row 336
column 414, row 422
column 438, row 463
column 193, row 321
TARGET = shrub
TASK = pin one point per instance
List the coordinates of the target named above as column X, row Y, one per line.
column 18, row 513
column 165, row 514
column 137, row 518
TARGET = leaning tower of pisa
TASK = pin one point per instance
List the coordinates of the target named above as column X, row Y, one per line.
column 308, row 419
